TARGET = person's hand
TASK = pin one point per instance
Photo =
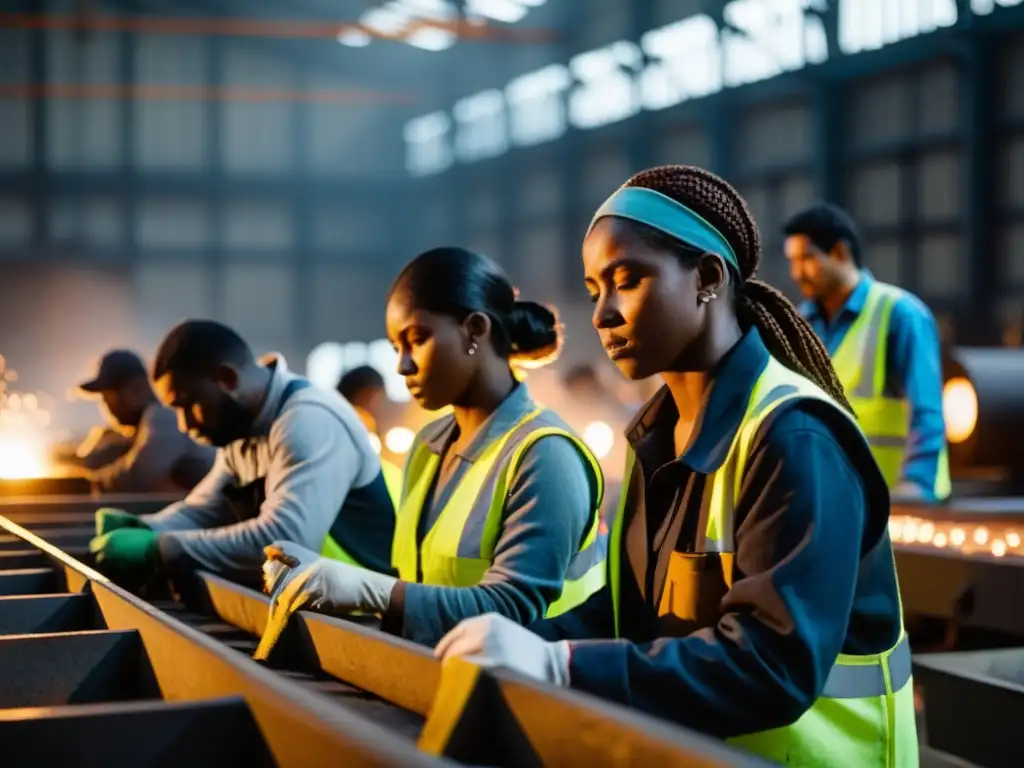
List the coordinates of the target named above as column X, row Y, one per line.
column 110, row 519
column 126, row 550
column 283, row 558
column 492, row 640
column 296, row 580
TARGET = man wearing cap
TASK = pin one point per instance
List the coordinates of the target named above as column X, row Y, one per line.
column 161, row 459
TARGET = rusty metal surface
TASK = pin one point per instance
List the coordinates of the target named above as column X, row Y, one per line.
column 529, row 724
column 331, row 681
column 394, row 669
column 35, row 614
column 152, row 732
column 144, row 653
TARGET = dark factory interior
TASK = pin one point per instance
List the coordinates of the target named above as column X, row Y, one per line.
column 437, row 212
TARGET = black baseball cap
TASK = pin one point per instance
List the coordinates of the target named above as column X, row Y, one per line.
column 116, row 368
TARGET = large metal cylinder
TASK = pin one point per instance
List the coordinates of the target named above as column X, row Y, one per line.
column 983, row 403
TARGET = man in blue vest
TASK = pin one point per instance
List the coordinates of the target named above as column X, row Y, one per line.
column 294, row 463
column 884, row 345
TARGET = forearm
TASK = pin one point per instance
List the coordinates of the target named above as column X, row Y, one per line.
column 183, row 516
column 704, row 681
column 227, row 549
column 592, row 619
column 926, row 443
column 915, row 372
column 429, row 612
column 801, row 518
column 133, row 473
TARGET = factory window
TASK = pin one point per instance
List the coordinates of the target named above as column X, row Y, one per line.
column 866, row 25
column 687, row 145
column 15, row 221
column 884, row 257
column 685, row 62
column 875, row 194
column 605, row 93
column 426, row 142
column 764, row 38
column 480, row 130
column 536, row 105
column 940, row 265
column 938, row 186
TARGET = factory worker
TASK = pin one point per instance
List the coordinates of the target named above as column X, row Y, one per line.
column 751, row 591
column 500, row 498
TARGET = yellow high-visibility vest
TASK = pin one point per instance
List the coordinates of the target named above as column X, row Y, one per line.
column 864, row 717
column 459, row 548
column 860, row 364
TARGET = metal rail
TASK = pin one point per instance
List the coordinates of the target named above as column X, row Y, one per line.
column 94, row 675
column 459, row 711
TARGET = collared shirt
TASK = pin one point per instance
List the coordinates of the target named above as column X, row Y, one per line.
column 544, row 520
column 311, row 452
column 813, row 565
column 158, row 448
column 913, row 372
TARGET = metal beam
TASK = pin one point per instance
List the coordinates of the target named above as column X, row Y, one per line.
column 56, row 183
column 978, row 78
column 300, row 727
column 473, row 714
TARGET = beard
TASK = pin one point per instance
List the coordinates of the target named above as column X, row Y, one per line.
column 233, row 422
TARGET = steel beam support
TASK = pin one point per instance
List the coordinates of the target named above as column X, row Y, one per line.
column 978, row 86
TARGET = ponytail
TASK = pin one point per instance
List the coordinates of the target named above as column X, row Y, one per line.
column 788, row 336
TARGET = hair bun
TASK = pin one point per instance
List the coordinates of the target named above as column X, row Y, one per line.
column 534, row 333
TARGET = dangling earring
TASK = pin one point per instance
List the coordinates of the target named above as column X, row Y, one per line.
column 472, row 348
column 705, row 298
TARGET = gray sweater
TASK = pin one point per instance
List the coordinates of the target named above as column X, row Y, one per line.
column 313, row 454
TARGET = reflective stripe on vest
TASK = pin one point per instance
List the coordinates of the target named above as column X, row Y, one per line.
column 393, row 478
column 865, row 713
column 459, row 548
column 860, row 363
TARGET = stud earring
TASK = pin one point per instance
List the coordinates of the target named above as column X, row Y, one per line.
column 472, row 348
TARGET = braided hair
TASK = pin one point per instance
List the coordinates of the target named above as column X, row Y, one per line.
column 786, row 334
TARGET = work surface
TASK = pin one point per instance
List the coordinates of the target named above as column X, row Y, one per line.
column 170, row 685
column 165, row 667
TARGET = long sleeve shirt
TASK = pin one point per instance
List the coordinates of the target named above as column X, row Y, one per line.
column 813, row 576
column 313, row 456
column 157, row 448
column 913, row 372
column 544, row 520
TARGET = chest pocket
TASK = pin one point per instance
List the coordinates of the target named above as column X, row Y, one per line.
column 694, row 587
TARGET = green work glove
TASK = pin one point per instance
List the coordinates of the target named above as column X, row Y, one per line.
column 126, row 550
column 109, row 519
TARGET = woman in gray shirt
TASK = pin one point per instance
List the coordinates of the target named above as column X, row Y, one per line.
column 500, row 498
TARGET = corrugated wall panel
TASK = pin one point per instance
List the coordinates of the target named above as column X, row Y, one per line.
column 171, row 134
column 15, row 114
column 257, row 137
column 83, row 133
column 259, row 303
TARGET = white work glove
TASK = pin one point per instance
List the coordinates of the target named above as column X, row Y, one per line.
column 282, row 559
column 492, row 640
column 298, row 578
